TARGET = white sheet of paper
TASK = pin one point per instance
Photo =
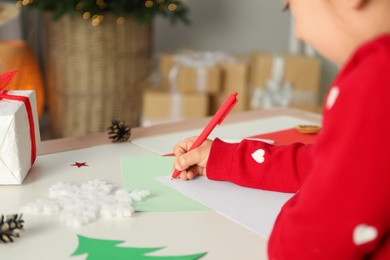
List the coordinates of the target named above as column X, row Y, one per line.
column 163, row 144
column 253, row 208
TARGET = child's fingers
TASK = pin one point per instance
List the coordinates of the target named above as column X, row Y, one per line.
column 183, row 146
column 186, row 160
column 178, row 150
column 187, row 175
column 191, row 173
column 191, row 163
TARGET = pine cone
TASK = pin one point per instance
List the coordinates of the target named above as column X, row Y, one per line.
column 10, row 227
column 119, row 131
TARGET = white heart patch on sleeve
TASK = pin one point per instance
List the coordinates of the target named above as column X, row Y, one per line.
column 332, row 97
column 258, row 156
column 364, row 233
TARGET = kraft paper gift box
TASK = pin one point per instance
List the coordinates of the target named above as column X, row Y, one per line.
column 164, row 106
column 19, row 134
column 302, row 72
column 186, row 73
column 234, row 79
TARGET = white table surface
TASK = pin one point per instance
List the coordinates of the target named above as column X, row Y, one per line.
column 181, row 233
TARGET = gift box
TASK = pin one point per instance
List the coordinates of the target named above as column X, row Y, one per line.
column 190, row 72
column 164, row 106
column 298, row 72
column 19, row 134
column 234, row 79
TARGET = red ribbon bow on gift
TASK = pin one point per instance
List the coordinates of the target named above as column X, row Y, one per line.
column 5, row 80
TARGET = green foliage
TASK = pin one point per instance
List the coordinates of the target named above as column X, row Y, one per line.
column 143, row 10
column 108, row 249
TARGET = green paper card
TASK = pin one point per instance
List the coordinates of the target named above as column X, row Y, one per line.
column 100, row 249
column 140, row 172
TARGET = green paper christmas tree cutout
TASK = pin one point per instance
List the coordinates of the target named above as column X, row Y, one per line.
column 108, row 249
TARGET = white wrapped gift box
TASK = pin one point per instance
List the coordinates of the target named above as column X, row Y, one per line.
column 19, row 135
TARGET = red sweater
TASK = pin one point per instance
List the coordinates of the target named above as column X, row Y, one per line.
column 341, row 209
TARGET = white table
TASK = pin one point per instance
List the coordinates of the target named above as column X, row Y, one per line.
column 181, row 233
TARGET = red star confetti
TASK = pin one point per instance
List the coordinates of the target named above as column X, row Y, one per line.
column 80, row 164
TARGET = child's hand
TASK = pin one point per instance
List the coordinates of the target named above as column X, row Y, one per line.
column 191, row 163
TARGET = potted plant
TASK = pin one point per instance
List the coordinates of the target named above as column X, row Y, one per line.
column 142, row 10
column 98, row 58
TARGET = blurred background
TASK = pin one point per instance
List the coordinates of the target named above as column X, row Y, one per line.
column 93, row 68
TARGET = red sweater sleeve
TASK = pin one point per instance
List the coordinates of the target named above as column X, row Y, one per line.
column 259, row 165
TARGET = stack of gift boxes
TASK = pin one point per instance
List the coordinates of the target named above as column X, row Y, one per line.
column 284, row 80
column 194, row 84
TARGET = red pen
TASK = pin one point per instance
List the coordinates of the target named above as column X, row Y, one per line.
column 217, row 119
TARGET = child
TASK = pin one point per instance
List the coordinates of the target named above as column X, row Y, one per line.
column 341, row 209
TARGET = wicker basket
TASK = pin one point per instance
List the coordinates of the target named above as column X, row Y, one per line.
column 95, row 73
